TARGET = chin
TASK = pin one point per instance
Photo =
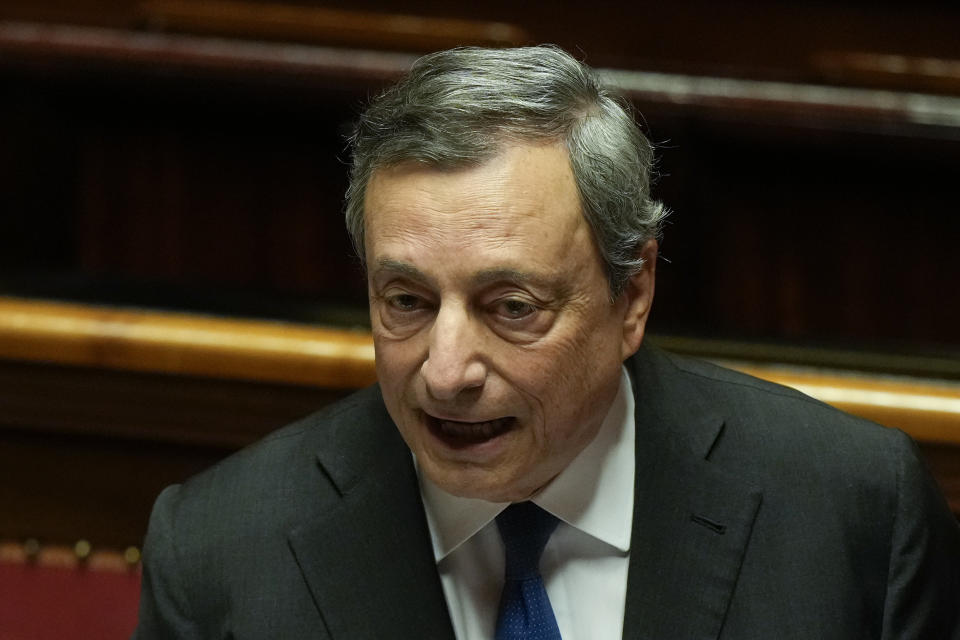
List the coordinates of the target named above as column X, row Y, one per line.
column 480, row 485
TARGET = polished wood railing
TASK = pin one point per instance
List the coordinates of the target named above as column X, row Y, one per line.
column 348, row 57
column 194, row 345
column 176, row 343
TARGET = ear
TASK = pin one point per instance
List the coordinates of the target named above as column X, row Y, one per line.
column 638, row 298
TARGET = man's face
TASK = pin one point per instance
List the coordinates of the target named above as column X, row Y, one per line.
column 498, row 349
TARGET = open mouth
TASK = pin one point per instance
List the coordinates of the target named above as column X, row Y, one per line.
column 462, row 434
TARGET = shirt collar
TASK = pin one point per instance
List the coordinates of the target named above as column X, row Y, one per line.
column 593, row 494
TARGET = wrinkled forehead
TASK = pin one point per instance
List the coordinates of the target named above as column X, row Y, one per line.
column 522, row 205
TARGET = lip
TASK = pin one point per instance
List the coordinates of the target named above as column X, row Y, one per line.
column 468, row 434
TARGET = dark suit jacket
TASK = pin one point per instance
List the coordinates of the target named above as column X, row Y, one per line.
column 760, row 513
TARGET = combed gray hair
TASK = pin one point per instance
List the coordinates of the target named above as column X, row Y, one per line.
column 458, row 108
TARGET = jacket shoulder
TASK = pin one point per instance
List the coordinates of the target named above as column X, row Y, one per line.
column 768, row 432
column 211, row 535
column 272, row 471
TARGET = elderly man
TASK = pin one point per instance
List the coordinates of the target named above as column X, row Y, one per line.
column 525, row 469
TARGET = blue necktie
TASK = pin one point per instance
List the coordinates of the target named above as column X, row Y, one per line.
column 525, row 611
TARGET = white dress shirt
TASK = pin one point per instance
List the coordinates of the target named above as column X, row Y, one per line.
column 584, row 565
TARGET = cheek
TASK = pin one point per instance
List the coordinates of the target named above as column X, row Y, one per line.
column 565, row 375
column 568, row 351
column 547, row 375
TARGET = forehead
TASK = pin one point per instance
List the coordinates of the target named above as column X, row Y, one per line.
column 524, row 195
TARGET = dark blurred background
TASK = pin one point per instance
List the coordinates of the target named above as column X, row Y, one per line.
column 189, row 156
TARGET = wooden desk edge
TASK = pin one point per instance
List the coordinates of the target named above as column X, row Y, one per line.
column 195, row 345
column 184, row 344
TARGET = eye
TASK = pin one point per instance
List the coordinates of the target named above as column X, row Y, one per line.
column 405, row 302
column 400, row 313
column 515, row 309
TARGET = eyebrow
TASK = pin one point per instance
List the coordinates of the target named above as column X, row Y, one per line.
column 403, row 269
column 488, row 276
column 481, row 278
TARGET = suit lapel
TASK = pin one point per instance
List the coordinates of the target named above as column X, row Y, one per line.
column 368, row 561
column 691, row 522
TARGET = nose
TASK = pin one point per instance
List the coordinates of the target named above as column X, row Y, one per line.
column 454, row 363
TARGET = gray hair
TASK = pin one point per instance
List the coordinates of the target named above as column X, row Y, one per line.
column 458, row 108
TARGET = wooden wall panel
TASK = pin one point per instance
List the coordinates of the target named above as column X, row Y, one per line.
column 84, row 452
column 165, row 189
column 795, row 39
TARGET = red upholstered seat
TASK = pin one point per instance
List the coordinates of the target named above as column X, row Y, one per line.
column 62, row 599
